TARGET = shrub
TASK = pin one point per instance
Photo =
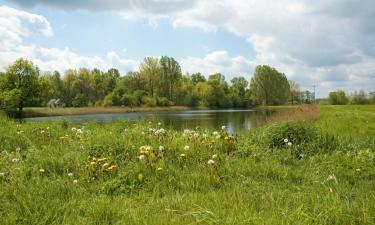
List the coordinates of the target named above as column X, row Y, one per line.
column 163, row 101
column 149, row 101
column 297, row 132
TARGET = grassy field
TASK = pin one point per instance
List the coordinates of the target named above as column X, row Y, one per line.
column 46, row 111
column 139, row 173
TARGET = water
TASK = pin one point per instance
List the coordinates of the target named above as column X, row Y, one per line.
column 235, row 120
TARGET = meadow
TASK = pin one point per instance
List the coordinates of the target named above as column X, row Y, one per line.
column 313, row 169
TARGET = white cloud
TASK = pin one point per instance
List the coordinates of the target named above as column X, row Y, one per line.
column 18, row 30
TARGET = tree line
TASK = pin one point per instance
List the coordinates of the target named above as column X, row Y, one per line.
column 159, row 82
column 339, row 97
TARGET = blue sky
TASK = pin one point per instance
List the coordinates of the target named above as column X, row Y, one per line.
column 330, row 44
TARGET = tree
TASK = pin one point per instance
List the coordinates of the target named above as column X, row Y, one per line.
column 238, row 91
column 150, row 73
column 21, row 84
column 170, row 76
column 295, row 92
column 337, row 98
column 268, row 86
column 197, row 77
column 358, row 97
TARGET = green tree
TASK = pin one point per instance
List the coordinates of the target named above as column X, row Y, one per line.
column 150, row 73
column 170, row 76
column 268, row 86
column 295, row 92
column 197, row 77
column 21, row 82
column 337, row 98
column 358, row 97
column 238, row 91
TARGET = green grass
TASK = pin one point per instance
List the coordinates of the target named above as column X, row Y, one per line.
column 249, row 183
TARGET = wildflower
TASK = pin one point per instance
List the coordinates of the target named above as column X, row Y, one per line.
column 105, row 165
column 111, row 168
column 79, row 131
column 218, row 136
column 214, row 156
column 42, row 131
column 215, row 133
column 211, row 162
column 41, row 170
column 141, row 157
column 183, row 155
column 286, row 140
column 15, row 160
column 92, row 163
column 358, row 170
column 102, row 159
column 186, row 148
column 161, row 148
column 223, row 127
column 74, row 129
column 159, row 169
column 18, row 149
column 159, row 124
column 289, row 143
column 332, row 177
column 226, row 138
column 75, row 181
column 70, row 174
column 2, row 174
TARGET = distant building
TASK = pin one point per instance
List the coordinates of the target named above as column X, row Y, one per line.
column 55, row 103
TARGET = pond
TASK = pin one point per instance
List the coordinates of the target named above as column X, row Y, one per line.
column 235, row 120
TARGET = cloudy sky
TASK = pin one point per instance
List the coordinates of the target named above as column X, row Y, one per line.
column 327, row 43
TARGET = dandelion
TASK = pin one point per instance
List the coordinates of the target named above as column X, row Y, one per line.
column 2, row 174
column 214, row 156
column 211, row 162
column 215, row 133
column 159, row 124
column 105, row 165
column 92, row 163
column 42, row 132
column 289, row 144
column 218, row 137
column 286, row 140
column 101, row 159
column 223, row 127
column 183, row 155
column 18, row 149
column 358, row 170
column 111, row 168
column 159, row 169
column 75, row 181
column 79, row 131
column 141, row 157
column 70, row 174
column 41, row 170
column 161, row 148
column 15, row 160
column 186, row 148
column 74, row 129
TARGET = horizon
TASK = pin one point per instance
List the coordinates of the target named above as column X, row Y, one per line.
column 329, row 44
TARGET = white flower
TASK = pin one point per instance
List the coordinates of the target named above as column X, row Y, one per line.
column 141, row 157
column 210, row 162
column 79, row 131
column 289, row 143
column 70, row 174
column 332, row 177
column 42, row 131
column 159, row 123
column 75, row 181
column 15, row 160
column 286, row 140
column 186, row 148
column 18, row 149
column 218, row 136
column 161, row 148
column 215, row 133
column 2, row 174
column 214, row 156
column 74, row 129
column 223, row 127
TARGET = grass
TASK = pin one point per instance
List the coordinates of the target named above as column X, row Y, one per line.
column 57, row 173
column 46, row 111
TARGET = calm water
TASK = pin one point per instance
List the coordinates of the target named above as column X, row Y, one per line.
column 235, row 120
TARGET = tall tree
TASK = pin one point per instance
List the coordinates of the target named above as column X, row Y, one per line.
column 21, row 79
column 170, row 76
column 295, row 92
column 238, row 91
column 268, row 86
column 150, row 73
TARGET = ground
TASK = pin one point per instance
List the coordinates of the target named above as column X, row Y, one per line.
column 117, row 173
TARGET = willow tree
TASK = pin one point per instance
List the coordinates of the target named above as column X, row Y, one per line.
column 268, row 86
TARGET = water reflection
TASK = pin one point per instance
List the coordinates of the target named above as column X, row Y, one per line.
column 234, row 120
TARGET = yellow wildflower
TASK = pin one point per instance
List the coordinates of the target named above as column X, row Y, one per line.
column 183, row 155
column 105, row 165
column 101, row 159
column 41, row 170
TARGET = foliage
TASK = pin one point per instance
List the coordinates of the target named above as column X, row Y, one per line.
column 268, row 86
column 338, row 98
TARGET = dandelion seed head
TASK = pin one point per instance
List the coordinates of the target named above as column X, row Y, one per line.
column 70, row 174
column 210, row 162
column 141, row 157
column 186, row 148
column 286, row 140
column 161, row 148
column 223, row 127
column 75, row 181
column 289, row 143
column 214, row 156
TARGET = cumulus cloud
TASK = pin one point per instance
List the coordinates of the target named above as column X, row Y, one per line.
column 218, row 62
column 18, row 30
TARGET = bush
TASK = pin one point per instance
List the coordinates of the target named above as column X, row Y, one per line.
column 297, row 132
column 149, row 101
column 163, row 101
column 128, row 100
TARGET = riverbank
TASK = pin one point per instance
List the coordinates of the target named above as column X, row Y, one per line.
column 45, row 111
column 139, row 172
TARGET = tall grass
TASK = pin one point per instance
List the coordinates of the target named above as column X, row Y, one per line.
column 59, row 173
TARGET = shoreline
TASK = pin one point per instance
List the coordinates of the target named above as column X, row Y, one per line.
column 47, row 112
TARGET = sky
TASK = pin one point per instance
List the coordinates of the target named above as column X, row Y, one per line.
column 329, row 44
